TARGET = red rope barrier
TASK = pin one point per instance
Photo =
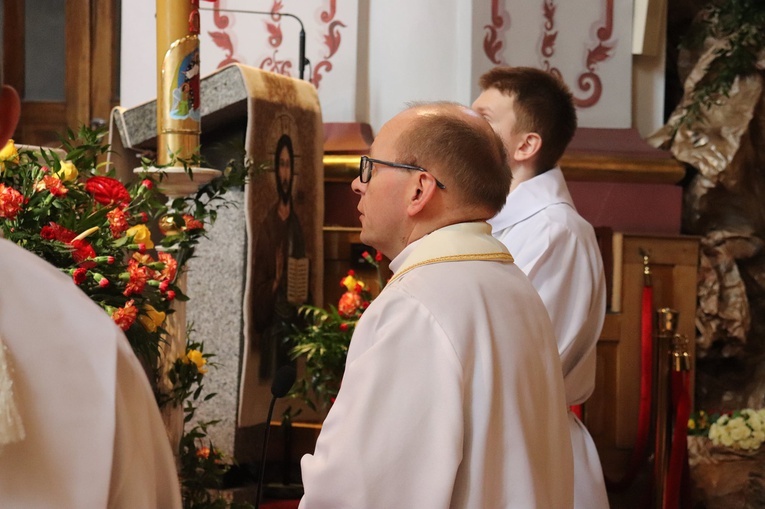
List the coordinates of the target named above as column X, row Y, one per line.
column 637, row 459
column 678, row 456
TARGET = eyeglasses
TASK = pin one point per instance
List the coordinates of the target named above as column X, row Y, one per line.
column 365, row 169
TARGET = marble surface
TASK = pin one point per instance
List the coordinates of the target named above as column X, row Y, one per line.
column 137, row 127
column 214, row 309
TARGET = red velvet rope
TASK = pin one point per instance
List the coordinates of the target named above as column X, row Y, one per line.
column 678, row 456
column 646, row 382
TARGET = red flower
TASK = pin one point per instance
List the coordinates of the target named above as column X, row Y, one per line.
column 147, row 183
column 118, row 222
column 125, row 316
column 103, row 282
column 54, row 231
column 52, row 184
column 170, row 295
column 349, row 303
column 108, row 191
column 171, row 267
column 191, row 223
column 79, row 275
column 83, row 251
column 343, row 326
column 203, row 452
column 144, row 217
column 139, row 275
column 10, row 202
column 47, row 233
column 378, row 256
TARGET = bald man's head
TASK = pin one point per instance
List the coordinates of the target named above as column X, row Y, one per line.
column 460, row 147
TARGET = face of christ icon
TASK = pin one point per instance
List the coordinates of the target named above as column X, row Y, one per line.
column 284, row 168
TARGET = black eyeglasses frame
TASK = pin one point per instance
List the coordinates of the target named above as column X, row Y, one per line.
column 367, row 162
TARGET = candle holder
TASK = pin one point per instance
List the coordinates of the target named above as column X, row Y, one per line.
column 177, row 181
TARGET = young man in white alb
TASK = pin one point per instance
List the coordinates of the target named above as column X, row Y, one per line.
column 533, row 112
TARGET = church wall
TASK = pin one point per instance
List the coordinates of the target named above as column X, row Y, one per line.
column 369, row 58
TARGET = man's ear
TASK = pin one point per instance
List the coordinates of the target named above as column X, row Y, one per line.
column 421, row 192
column 528, row 148
column 10, row 109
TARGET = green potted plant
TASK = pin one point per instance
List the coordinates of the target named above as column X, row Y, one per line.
column 323, row 337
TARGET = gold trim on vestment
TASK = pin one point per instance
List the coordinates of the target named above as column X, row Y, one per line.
column 503, row 257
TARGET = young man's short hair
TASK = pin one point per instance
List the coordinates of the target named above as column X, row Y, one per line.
column 543, row 105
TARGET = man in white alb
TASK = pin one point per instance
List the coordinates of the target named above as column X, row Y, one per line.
column 453, row 393
column 534, row 114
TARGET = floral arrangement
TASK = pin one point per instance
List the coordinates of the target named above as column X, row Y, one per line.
column 70, row 210
column 742, row 429
column 324, row 337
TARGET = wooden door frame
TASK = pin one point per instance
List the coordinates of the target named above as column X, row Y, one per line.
column 91, row 68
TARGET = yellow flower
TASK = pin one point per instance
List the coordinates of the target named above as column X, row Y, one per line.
column 691, row 424
column 141, row 235
column 351, row 283
column 8, row 153
column 151, row 318
column 195, row 356
column 68, row 171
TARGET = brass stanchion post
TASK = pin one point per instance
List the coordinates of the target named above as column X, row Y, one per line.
column 666, row 319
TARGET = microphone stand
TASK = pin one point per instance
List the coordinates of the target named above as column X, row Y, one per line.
column 258, row 494
column 302, row 61
column 284, row 379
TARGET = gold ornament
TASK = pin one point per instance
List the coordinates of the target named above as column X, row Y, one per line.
column 168, row 226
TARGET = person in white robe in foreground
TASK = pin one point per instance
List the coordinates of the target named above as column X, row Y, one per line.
column 452, row 395
column 79, row 425
column 89, row 433
column 533, row 112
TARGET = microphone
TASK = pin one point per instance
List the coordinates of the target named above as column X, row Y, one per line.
column 302, row 60
column 283, row 381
